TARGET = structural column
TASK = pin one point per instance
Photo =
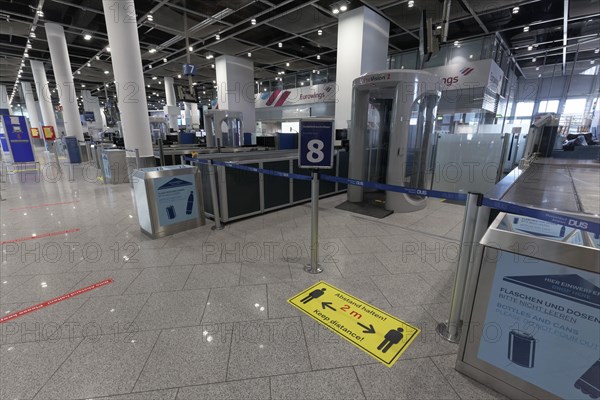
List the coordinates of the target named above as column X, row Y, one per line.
column 4, row 104
column 65, row 87
column 34, row 119
column 235, row 83
column 171, row 108
column 363, row 37
column 43, row 93
column 123, row 38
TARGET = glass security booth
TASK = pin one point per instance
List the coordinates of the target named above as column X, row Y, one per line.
column 223, row 128
column 391, row 135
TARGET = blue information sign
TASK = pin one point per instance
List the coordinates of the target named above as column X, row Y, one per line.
column 316, row 145
column 17, row 134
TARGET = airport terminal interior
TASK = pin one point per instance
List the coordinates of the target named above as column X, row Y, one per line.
column 283, row 199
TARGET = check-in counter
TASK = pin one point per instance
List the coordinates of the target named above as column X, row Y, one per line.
column 244, row 193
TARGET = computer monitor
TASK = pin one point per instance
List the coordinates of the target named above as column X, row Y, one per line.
column 341, row 134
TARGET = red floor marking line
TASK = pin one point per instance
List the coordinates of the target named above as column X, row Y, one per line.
column 54, row 301
column 43, row 205
column 23, row 239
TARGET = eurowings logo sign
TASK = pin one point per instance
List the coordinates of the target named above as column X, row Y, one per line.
column 466, row 71
column 297, row 96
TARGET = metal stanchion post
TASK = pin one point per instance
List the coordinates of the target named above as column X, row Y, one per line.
column 137, row 158
column 314, row 267
column 451, row 330
column 215, row 198
column 55, row 147
column 161, row 153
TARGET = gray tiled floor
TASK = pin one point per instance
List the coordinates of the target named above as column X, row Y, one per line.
column 204, row 315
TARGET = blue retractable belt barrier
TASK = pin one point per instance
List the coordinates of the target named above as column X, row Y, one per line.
column 547, row 216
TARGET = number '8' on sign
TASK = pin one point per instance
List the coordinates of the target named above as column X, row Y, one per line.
column 316, row 144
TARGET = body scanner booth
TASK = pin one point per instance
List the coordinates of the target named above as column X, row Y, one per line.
column 391, row 135
column 225, row 126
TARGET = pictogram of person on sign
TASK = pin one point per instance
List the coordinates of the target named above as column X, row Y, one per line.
column 313, row 295
column 391, row 338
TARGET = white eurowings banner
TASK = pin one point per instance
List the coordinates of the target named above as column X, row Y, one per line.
column 297, row 96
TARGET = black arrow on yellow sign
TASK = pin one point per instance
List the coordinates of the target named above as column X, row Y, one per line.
column 368, row 329
column 328, row 305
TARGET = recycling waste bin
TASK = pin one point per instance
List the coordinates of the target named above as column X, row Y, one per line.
column 168, row 199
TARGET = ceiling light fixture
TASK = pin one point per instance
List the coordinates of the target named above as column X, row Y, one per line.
column 592, row 61
column 32, row 34
column 534, row 59
column 29, row 45
column 106, row 72
column 40, row 13
column 537, row 68
column 165, row 60
column 320, row 32
column 525, row 29
column 108, row 49
column 87, row 36
column 280, row 45
column 218, row 37
column 150, row 17
column 190, row 48
column 411, row 4
column 529, row 48
column 335, row 11
column 596, row 51
column 179, row 76
column 249, row 54
column 150, row 66
column 515, row 10
column 154, row 78
column 212, row 66
column 152, row 51
column 253, row 21
column 318, row 56
column 89, row 64
column 82, row 85
column 78, row 72
column 97, row 57
column 343, row 8
column 209, row 56
column 287, row 64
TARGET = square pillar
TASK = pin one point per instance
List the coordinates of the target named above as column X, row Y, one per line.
column 235, row 83
column 363, row 37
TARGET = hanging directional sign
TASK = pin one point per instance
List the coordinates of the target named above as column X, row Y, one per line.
column 378, row 333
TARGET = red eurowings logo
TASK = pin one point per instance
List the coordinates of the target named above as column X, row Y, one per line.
column 278, row 97
column 466, row 71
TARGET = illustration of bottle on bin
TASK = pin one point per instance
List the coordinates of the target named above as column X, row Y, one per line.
column 190, row 204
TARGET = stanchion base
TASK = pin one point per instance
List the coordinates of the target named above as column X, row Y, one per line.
column 214, row 228
column 308, row 268
column 444, row 332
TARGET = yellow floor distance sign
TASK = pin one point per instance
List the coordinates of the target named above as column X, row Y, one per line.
column 383, row 336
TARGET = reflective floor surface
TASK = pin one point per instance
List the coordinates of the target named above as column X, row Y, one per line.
column 203, row 314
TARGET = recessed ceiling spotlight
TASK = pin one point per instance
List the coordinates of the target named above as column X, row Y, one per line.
column 152, row 51
column 249, row 54
column 29, row 45
column 26, row 55
column 89, row 64
column 149, row 65
column 320, row 32
column 280, row 45
column 165, row 60
column 209, row 56
column 537, row 68
column 87, row 36
column 287, row 64
column 150, row 17
column 539, row 75
column 438, row 27
column 515, row 10
column 218, row 37
column 212, row 66
column 108, row 49
column 78, row 72
column 179, row 76
column 32, row 34
column 253, row 21
column 529, row 48
column 40, row 13
column 191, row 48
column 318, row 56
column 343, row 8
column 82, row 85
column 596, row 51
column 592, row 61
column 534, row 59
column 97, row 57
column 335, row 11
column 411, row 4
column 154, row 78
column 525, row 29
column 457, row 43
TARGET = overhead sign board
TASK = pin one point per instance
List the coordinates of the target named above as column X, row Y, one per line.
column 465, row 75
column 297, row 96
column 374, row 331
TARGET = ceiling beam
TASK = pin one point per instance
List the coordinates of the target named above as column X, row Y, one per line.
column 565, row 35
column 466, row 5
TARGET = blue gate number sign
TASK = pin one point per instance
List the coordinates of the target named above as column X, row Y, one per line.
column 316, row 144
